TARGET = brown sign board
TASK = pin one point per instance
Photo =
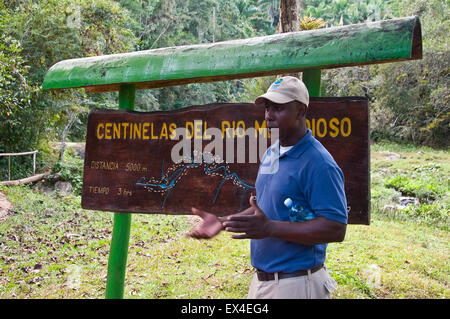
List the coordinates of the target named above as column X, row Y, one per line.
column 137, row 162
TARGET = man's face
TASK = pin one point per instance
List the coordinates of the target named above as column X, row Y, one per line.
column 285, row 117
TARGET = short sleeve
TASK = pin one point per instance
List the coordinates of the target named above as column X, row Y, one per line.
column 327, row 194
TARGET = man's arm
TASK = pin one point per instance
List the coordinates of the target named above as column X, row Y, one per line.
column 313, row 232
column 256, row 226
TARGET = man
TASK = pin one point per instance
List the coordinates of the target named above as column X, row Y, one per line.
column 289, row 255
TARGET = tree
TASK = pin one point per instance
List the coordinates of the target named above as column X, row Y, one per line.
column 16, row 91
column 409, row 100
column 342, row 12
column 290, row 12
column 16, row 95
column 36, row 35
column 180, row 22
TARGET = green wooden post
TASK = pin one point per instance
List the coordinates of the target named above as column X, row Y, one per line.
column 357, row 44
column 117, row 263
column 311, row 78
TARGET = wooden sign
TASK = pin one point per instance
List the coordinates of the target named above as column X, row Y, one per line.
column 342, row 126
column 169, row 161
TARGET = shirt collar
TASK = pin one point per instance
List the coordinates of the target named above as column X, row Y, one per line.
column 275, row 148
column 298, row 148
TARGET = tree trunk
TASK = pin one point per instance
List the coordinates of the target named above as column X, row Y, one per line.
column 289, row 16
column 31, row 179
column 290, row 20
column 71, row 120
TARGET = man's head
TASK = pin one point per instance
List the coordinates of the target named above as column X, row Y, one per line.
column 284, row 90
column 285, row 102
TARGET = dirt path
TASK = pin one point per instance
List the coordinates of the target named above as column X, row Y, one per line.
column 5, row 206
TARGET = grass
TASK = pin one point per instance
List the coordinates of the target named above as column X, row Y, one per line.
column 51, row 248
column 423, row 173
column 391, row 259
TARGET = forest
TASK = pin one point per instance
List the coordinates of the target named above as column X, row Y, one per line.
column 409, row 101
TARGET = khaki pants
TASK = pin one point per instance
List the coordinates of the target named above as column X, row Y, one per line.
column 318, row 285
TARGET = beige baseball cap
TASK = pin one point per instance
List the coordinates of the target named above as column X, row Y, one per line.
column 284, row 90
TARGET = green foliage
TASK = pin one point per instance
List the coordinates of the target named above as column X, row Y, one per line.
column 342, row 12
column 21, row 167
column 255, row 87
column 422, row 181
column 16, row 92
column 417, row 187
column 16, row 96
column 410, row 101
column 434, row 19
column 179, row 22
column 388, row 194
column 51, row 31
column 71, row 169
column 42, row 244
column 36, row 35
column 53, row 249
column 311, row 23
column 420, row 172
column 431, row 214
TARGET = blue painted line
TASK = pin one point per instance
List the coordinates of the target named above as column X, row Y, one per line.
column 170, row 182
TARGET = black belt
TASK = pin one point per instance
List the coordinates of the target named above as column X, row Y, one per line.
column 266, row 276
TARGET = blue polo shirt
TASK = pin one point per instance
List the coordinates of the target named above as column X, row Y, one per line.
column 307, row 174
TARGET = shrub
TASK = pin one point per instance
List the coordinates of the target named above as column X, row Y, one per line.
column 71, row 169
column 434, row 214
column 423, row 188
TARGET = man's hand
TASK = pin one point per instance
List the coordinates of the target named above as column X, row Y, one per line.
column 254, row 226
column 210, row 226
